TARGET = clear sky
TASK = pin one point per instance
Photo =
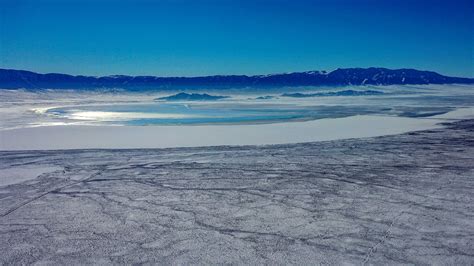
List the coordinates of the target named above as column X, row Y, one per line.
column 189, row 38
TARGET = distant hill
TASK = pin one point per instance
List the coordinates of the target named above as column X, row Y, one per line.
column 14, row 79
column 333, row 93
column 191, row 97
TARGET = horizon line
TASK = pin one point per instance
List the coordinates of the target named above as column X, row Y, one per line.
column 216, row 75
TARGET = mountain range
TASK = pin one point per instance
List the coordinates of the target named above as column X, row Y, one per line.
column 15, row 79
column 191, row 97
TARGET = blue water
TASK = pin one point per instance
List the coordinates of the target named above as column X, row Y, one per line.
column 232, row 113
column 227, row 113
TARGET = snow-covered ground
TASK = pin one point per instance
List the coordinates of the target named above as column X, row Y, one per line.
column 401, row 199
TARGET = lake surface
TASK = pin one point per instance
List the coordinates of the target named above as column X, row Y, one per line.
column 215, row 113
column 55, row 119
column 245, row 109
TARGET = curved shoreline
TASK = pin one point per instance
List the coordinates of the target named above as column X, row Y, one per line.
column 136, row 137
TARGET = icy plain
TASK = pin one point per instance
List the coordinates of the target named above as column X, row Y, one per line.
column 401, row 199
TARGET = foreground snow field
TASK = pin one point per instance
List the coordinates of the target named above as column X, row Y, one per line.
column 386, row 200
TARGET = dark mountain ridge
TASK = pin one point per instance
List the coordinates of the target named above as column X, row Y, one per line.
column 15, row 79
column 191, row 97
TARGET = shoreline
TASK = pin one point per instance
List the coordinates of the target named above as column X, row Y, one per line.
column 135, row 137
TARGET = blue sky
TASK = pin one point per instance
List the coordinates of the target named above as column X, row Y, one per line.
column 189, row 38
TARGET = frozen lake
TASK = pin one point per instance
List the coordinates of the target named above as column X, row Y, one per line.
column 56, row 119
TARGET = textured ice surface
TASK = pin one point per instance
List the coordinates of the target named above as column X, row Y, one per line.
column 403, row 199
column 14, row 175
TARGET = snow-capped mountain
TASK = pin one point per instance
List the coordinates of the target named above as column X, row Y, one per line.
column 13, row 79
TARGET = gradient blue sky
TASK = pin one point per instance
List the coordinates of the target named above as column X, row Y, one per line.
column 189, row 38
